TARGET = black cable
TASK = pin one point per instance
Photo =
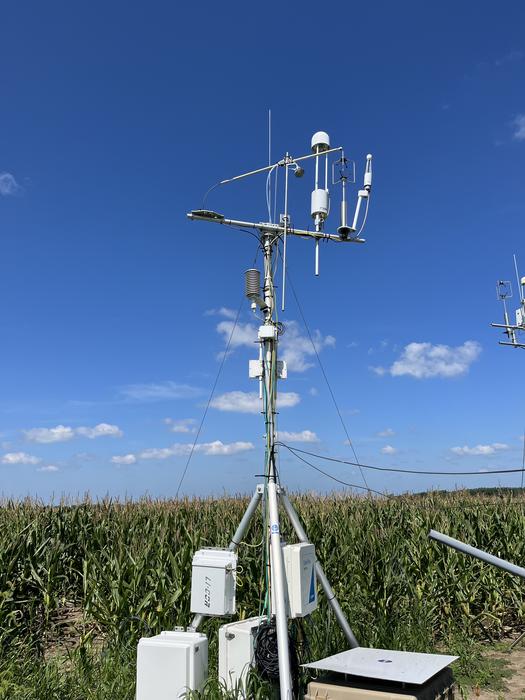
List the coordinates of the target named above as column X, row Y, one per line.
column 331, row 476
column 266, row 655
column 210, row 189
column 396, row 469
column 245, row 230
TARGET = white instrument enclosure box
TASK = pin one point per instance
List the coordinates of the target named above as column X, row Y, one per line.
column 255, row 369
column 170, row 664
column 213, row 582
column 236, row 651
column 267, row 332
column 299, row 562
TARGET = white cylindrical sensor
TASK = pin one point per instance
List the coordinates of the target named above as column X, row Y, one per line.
column 320, row 203
column 320, row 141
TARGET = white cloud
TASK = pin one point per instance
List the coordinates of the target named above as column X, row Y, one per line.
column 313, row 391
column 244, row 333
column 519, row 127
column 20, row 458
column 388, row 450
column 388, row 432
column 8, row 184
column 63, row 433
column 287, row 399
column 159, row 391
column 302, row 436
column 423, row 360
column 249, row 402
column 217, row 447
column 124, row 459
column 48, row 468
column 100, row 430
column 186, row 425
column 223, row 311
column 511, row 57
column 164, row 452
column 294, row 347
column 479, row 449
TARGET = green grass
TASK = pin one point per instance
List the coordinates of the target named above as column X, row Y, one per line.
column 80, row 583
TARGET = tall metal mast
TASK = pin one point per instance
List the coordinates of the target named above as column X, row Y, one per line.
column 268, row 334
column 268, row 369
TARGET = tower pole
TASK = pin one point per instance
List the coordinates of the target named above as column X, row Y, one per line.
column 268, row 334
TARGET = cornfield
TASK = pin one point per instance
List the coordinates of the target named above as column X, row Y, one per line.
column 80, row 583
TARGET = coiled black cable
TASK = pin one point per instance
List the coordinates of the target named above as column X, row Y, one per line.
column 266, row 655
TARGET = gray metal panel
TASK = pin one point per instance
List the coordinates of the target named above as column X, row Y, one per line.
column 385, row 664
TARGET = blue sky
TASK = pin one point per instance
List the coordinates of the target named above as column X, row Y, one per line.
column 116, row 117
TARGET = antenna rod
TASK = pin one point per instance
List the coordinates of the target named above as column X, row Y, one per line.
column 269, row 137
column 520, row 288
column 285, row 224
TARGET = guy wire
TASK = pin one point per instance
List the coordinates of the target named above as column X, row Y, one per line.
column 398, row 469
column 223, row 360
column 327, row 382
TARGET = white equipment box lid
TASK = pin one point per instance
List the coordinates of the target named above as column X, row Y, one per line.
column 215, row 557
column 386, row 665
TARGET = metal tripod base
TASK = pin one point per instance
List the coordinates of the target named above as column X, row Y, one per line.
column 278, row 577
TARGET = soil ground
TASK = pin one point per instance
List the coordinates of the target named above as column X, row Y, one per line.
column 515, row 683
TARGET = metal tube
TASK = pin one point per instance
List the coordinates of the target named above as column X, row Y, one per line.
column 273, row 228
column 478, row 553
column 356, row 216
column 280, row 162
column 344, row 208
column 323, row 580
column 246, row 519
column 314, row 155
column 285, row 224
column 234, row 543
column 278, row 583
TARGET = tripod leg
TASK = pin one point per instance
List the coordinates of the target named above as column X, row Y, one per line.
column 246, row 518
column 236, row 540
column 517, row 641
column 329, row 592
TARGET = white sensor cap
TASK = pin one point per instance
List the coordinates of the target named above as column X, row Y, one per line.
column 320, row 141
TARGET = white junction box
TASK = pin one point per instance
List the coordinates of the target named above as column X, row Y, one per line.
column 213, row 581
column 299, row 562
column 255, row 369
column 170, row 664
column 236, row 651
column 267, row 332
